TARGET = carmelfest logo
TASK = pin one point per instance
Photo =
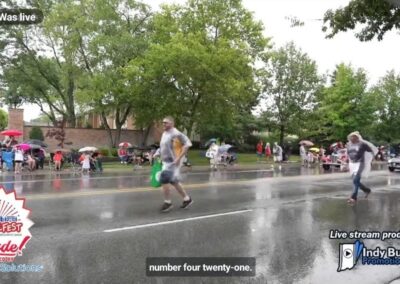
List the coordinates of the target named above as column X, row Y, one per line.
column 14, row 225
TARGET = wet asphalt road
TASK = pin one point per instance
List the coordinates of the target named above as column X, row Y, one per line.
column 286, row 226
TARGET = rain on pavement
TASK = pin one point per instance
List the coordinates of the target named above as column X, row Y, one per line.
column 285, row 223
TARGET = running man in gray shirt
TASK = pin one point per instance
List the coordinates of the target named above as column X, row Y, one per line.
column 173, row 147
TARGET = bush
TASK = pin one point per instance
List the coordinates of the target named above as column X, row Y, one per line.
column 36, row 133
column 114, row 152
column 195, row 145
column 105, row 152
column 246, row 148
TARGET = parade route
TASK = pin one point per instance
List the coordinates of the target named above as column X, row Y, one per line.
column 89, row 234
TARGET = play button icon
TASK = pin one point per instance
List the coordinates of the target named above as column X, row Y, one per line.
column 348, row 253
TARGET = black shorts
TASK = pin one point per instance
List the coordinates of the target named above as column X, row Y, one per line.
column 18, row 162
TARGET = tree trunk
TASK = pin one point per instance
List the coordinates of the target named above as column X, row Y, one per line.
column 281, row 135
column 107, row 127
column 70, row 107
column 146, row 135
column 117, row 136
column 189, row 131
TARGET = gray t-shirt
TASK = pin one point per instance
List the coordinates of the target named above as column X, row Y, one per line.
column 356, row 151
column 171, row 142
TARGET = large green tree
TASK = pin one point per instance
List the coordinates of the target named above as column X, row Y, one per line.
column 41, row 62
column 3, row 119
column 116, row 33
column 372, row 18
column 346, row 105
column 200, row 65
column 71, row 64
column 290, row 85
column 386, row 94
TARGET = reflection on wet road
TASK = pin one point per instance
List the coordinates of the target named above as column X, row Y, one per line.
column 69, row 182
column 288, row 215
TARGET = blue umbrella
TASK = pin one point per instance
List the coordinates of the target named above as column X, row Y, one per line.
column 224, row 148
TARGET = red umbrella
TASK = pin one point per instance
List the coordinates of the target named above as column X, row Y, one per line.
column 11, row 132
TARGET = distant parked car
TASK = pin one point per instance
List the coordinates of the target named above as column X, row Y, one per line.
column 394, row 164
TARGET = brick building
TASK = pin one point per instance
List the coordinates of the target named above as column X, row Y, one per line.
column 81, row 137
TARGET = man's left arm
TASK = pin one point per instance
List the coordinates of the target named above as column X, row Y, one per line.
column 186, row 145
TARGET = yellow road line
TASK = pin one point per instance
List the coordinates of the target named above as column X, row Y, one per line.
column 126, row 190
column 204, row 185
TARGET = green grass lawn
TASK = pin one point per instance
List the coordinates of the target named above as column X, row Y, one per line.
column 196, row 159
column 243, row 158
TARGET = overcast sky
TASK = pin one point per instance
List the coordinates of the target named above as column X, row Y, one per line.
column 375, row 57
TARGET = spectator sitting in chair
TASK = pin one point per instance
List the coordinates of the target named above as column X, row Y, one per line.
column 58, row 157
column 98, row 162
column 40, row 157
column 31, row 162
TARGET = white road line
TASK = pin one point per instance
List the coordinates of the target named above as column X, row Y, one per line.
column 177, row 221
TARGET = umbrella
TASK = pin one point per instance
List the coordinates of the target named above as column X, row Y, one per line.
column 35, row 146
column 224, row 148
column 24, row 147
column 125, row 144
column 306, row 143
column 11, row 132
column 212, row 140
column 37, row 142
column 88, row 149
column 314, row 150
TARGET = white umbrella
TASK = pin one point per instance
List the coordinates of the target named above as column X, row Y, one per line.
column 307, row 143
column 88, row 149
column 125, row 144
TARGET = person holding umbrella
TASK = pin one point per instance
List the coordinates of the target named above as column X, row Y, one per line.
column 11, row 134
column 303, row 154
column 11, row 142
column 212, row 154
column 123, row 155
column 87, row 158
